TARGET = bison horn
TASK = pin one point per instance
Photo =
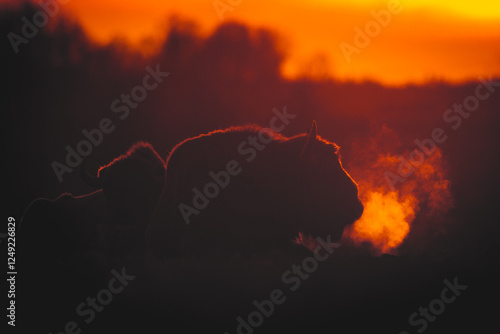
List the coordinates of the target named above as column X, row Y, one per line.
column 312, row 135
column 90, row 180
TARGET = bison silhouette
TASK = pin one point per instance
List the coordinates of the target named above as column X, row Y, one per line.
column 248, row 189
column 110, row 221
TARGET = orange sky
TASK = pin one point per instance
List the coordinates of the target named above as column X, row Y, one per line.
column 454, row 41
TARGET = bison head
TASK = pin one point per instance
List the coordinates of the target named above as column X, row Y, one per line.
column 323, row 189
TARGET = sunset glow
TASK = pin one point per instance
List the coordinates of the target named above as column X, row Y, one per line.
column 452, row 41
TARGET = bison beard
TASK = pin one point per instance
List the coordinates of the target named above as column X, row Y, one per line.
column 294, row 184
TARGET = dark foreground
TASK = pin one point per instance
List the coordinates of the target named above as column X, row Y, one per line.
column 349, row 292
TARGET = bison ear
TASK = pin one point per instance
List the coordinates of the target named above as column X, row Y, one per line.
column 312, row 138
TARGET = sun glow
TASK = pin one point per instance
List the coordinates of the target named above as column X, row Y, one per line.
column 453, row 41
